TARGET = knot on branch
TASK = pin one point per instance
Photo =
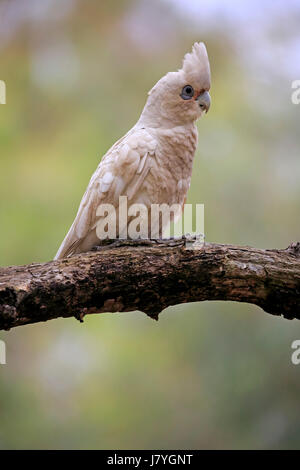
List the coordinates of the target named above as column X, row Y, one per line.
column 294, row 248
column 8, row 314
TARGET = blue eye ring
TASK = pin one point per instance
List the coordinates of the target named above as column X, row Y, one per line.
column 187, row 92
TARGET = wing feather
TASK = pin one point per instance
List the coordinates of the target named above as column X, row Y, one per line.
column 122, row 171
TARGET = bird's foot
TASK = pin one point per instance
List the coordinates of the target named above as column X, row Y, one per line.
column 195, row 241
column 107, row 244
column 191, row 242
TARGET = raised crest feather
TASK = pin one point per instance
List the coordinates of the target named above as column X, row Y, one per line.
column 196, row 66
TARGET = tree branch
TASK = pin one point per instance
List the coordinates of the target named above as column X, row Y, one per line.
column 150, row 278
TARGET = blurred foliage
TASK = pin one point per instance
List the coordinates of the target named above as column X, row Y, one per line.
column 207, row 375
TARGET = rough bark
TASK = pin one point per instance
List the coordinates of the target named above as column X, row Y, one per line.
column 149, row 279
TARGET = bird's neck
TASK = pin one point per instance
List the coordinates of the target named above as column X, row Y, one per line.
column 148, row 120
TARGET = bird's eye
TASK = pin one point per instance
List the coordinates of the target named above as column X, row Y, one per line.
column 187, row 92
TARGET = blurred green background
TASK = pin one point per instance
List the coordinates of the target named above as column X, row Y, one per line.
column 207, row 375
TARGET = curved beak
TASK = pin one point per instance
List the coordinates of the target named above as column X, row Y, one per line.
column 204, row 101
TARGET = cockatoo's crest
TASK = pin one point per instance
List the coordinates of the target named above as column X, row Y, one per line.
column 195, row 70
column 196, row 66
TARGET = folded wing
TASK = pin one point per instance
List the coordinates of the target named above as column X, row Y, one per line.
column 121, row 172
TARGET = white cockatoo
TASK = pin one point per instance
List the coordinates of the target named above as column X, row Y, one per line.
column 152, row 163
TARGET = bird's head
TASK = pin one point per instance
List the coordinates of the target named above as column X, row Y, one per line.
column 181, row 97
